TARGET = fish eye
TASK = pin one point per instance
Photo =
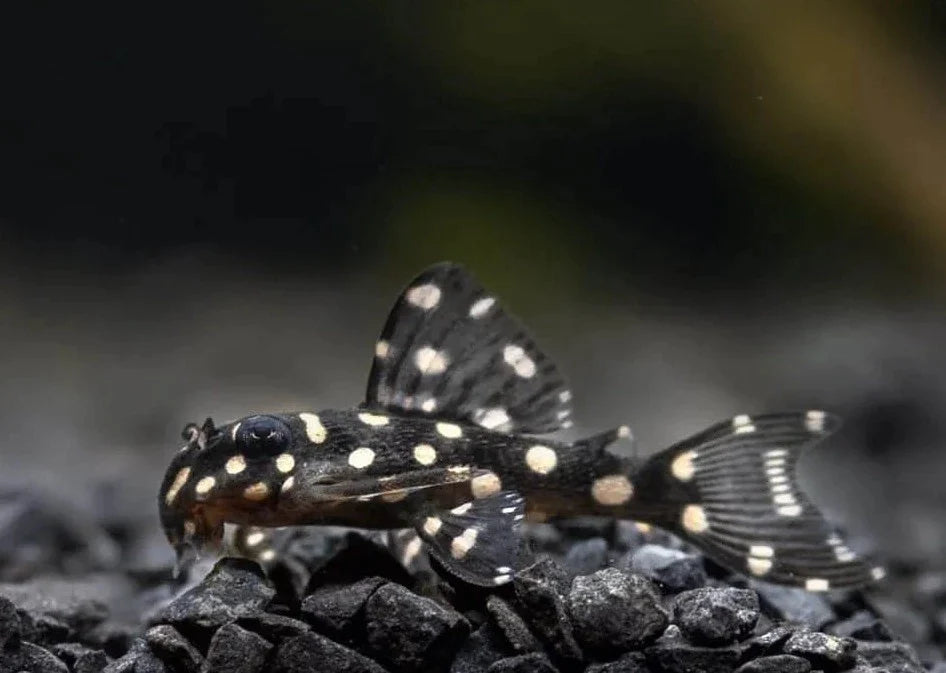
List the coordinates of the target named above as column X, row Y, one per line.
column 263, row 432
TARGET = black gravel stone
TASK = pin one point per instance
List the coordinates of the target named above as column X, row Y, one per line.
column 824, row 651
column 410, row 632
column 613, row 611
column 485, row 646
column 632, row 662
column 782, row 663
column 355, row 559
column 892, row 657
column 234, row 588
column 673, row 654
column 314, row 653
column 512, row 626
column 59, row 609
column 10, row 625
column 712, row 616
column 338, row 611
column 32, row 658
column 138, row 659
column 586, row 556
column 863, row 626
column 794, row 605
column 234, row 649
column 173, row 649
column 524, row 663
column 274, row 628
column 768, row 643
column 673, row 570
column 539, row 589
column 79, row 658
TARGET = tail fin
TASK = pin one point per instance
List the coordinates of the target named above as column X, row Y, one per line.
column 734, row 495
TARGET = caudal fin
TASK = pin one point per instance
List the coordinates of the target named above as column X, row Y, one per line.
column 734, row 494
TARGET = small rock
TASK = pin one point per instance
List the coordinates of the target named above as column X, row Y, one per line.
column 512, row 625
column 829, row 653
column 586, row 556
column 79, row 658
column 673, row 570
column 62, row 609
column 410, row 632
column 10, row 627
column 234, row 649
column 138, row 659
column 524, row 663
column 32, row 658
column 539, row 590
column 794, row 604
column 712, row 616
column 338, row 611
column 484, row 647
column 314, row 653
column 905, row 620
column 768, row 643
column 234, row 588
column 632, row 662
column 781, row 663
column 274, row 628
column 613, row 611
column 673, row 654
column 893, row 657
column 863, row 626
column 173, row 649
column 356, row 559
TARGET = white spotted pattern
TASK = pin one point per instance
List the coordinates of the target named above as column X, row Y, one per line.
column 759, row 566
column 382, row 349
column 521, row 363
column 462, row 509
column 491, row 418
column 255, row 538
column 463, row 543
column 814, row 421
column 694, row 519
column 449, row 430
column 205, row 485
column 682, row 466
column 432, row 525
column 429, row 405
column 425, row 454
column 541, row 459
column 485, row 485
column 817, row 584
column 425, row 296
column 375, row 420
column 179, row 480
column 285, row 462
column 235, row 465
column 430, row 361
column 361, row 457
column 314, row 429
column 481, row 306
column 614, row 489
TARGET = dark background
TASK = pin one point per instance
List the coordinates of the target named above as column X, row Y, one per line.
column 701, row 208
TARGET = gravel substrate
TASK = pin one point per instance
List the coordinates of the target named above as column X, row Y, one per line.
column 88, row 593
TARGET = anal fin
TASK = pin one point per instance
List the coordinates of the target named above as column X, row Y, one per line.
column 479, row 540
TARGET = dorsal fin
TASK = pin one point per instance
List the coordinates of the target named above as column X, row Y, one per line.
column 449, row 351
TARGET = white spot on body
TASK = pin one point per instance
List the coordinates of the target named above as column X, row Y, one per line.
column 565, row 396
column 463, row 543
column 504, row 569
column 817, row 584
column 285, row 462
column 254, row 538
column 314, row 429
column 205, row 485
column 758, row 566
column 790, row 510
column 743, row 429
column 741, row 419
column 381, row 349
column 541, row 459
column 682, row 466
column 502, row 579
column 624, row 432
column 361, row 457
column 521, row 363
column 256, row 492
column 425, row 454
column 288, row 484
column 563, row 414
column 190, row 529
column 508, row 510
column 432, row 525
column 430, row 361
column 814, row 421
column 614, row 489
column 762, row 551
column 179, row 480
column 878, row 573
column 449, row 430
column 425, row 296
column 776, row 453
column 375, row 420
column 481, row 306
column 784, row 499
column 235, row 465
column 694, row 519
column 491, row 418
column 429, row 405
column 268, row 555
column 411, row 550
column 394, row 496
column 485, row 485
column 234, row 430
column 462, row 509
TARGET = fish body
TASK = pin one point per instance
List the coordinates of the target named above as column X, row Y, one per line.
column 451, row 441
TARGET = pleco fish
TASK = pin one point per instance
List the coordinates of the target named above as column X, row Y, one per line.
column 448, row 442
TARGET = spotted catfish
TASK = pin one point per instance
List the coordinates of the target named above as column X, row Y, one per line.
column 448, row 442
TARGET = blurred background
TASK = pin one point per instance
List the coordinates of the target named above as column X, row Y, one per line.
column 700, row 209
